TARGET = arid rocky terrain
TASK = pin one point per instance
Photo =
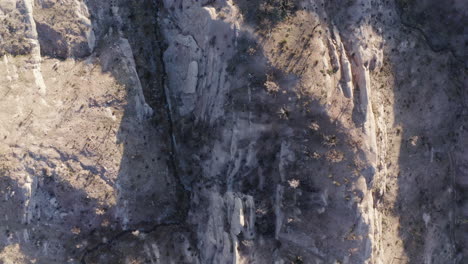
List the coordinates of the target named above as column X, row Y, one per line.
column 233, row 131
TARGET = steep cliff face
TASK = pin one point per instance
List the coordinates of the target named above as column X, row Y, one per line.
column 233, row 131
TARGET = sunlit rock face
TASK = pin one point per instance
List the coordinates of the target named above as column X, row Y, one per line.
column 233, row 131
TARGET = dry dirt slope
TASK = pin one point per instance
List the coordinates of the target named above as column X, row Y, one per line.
column 233, row 131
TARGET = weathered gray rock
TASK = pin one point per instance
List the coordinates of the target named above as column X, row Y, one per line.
column 232, row 131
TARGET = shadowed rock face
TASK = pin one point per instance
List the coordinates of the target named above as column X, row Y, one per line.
column 235, row 131
column 441, row 23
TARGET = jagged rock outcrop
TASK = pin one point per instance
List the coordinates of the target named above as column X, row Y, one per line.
column 232, row 131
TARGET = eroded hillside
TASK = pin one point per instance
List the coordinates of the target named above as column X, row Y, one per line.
column 233, row 131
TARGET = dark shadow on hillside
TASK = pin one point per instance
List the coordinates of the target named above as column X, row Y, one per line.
column 430, row 113
column 441, row 23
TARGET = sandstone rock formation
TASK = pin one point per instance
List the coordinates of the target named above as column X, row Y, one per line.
column 233, row 131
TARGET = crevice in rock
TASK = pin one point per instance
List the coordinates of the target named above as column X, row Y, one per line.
column 151, row 92
column 183, row 192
